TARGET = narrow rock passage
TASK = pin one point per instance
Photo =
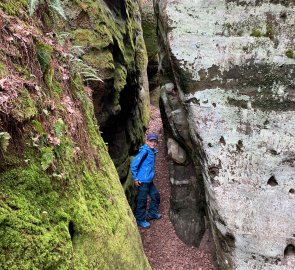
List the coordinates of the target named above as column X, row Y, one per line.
column 162, row 246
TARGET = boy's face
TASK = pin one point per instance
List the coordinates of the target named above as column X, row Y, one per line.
column 152, row 143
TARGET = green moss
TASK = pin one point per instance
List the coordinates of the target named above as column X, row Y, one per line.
column 90, row 120
column 38, row 127
column 90, row 7
column 37, row 210
column 9, row 160
column 28, row 193
column 62, row 205
column 24, row 107
column 269, row 32
column 12, row 7
column 3, row 70
column 44, row 52
column 47, row 157
column 130, row 192
column 50, row 81
column 155, row 96
column 120, row 76
column 141, row 55
column 48, row 20
column 150, row 36
column 103, row 60
column 290, row 53
column 256, row 33
column 4, row 140
column 93, row 39
column 23, row 71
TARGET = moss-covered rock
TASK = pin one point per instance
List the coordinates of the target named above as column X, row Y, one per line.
column 12, row 7
column 24, row 107
column 44, row 52
column 110, row 37
column 112, row 44
column 149, row 26
column 290, row 53
column 99, row 39
column 61, row 202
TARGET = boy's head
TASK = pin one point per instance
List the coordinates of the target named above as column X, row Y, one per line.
column 152, row 140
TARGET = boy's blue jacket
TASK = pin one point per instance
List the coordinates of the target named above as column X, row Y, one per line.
column 143, row 164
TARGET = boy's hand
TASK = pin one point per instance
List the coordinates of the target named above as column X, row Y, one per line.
column 137, row 183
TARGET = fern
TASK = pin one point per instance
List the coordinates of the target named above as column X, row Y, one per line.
column 33, row 5
column 87, row 72
column 55, row 5
column 77, row 51
column 62, row 37
column 4, row 140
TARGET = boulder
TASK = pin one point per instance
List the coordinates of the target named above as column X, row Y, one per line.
column 176, row 152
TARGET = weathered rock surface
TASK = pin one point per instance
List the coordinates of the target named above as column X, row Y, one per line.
column 62, row 205
column 111, row 37
column 234, row 68
column 176, row 152
column 187, row 199
column 149, row 27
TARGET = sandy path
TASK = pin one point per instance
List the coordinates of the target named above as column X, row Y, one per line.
column 162, row 246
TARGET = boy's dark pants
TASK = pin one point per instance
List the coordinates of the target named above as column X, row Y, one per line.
column 144, row 190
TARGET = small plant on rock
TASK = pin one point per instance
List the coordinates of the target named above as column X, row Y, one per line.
column 55, row 5
column 255, row 33
column 290, row 53
column 87, row 72
column 4, row 140
column 269, row 32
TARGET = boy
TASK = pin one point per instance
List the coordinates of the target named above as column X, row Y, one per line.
column 143, row 172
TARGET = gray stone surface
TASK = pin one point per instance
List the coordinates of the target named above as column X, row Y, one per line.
column 236, row 82
column 186, row 205
column 187, row 201
column 176, row 152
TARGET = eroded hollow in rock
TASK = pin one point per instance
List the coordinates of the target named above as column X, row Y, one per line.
column 71, row 229
column 222, row 140
column 118, row 7
column 289, row 251
column 272, row 181
column 230, row 239
column 239, row 145
column 292, row 191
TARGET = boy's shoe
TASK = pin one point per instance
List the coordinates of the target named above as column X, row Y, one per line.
column 155, row 216
column 143, row 224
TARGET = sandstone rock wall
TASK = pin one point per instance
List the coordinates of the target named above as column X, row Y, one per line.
column 62, row 205
column 233, row 66
column 111, row 38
